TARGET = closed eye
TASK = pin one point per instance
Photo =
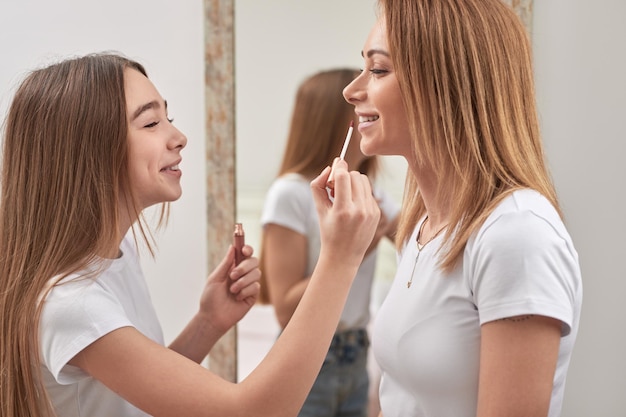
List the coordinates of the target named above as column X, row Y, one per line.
column 153, row 124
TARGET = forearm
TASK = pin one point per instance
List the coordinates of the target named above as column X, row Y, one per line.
column 196, row 339
column 296, row 357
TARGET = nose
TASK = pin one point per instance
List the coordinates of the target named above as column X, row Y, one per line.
column 354, row 91
column 178, row 140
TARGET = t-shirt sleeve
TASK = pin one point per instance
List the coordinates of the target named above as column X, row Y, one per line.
column 287, row 204
column 522, row 265
column 74, row 315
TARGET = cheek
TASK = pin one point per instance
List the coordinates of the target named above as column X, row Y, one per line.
column 142, row 158
column 397, row 122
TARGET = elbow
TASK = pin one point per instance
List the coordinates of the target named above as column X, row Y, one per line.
column 283, row 313
column 282, row 318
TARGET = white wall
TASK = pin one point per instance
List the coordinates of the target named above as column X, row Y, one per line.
column 580, row 67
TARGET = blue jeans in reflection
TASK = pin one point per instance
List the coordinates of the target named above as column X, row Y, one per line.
column 342, row 386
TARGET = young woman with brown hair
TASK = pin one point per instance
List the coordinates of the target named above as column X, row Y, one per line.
column 88, row 145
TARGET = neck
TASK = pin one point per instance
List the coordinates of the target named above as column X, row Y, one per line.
column 437, row 210
column 427, row 232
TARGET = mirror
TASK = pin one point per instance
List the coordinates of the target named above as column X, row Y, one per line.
column 278, row 44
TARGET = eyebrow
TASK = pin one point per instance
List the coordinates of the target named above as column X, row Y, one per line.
column 148, row 106
column 374, row 52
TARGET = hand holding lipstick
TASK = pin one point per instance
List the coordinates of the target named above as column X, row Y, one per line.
column 349, row 221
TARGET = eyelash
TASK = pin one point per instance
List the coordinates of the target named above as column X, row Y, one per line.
column 375, row 71
column 153, row 124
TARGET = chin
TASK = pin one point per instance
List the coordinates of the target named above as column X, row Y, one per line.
column 369, row 149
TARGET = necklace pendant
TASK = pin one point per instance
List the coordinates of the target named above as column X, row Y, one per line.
column 408, row 284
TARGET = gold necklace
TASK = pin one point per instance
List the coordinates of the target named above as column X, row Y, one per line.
column 420, row 246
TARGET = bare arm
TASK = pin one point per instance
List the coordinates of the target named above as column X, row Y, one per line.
column 285, row 263
column 518, row 359
column 164, row 383
column 229, row 293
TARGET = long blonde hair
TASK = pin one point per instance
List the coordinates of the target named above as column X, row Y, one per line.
column 464, row 68
column 64, row 170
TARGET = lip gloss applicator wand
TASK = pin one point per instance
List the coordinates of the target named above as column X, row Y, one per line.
column 331, row 183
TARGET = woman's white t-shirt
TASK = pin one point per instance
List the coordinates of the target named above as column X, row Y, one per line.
column 79, row 311
column 426, row 338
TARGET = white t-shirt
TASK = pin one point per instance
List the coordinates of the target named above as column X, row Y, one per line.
column 79, row 311
column 426, row 338
column 289, row 203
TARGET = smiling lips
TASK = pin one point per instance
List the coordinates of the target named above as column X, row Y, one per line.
column 171, row 168
column 367, row 119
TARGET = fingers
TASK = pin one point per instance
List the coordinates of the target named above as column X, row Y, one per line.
column 318, row 185
column 221, row 272
column 351, row 211
column 247, row 264
column 246, row 278
column 343, row 182
column 247, row 251
column 248, row 293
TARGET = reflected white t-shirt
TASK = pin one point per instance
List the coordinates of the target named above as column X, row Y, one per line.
column 426, row 338
column 289, row 203
column 79, row 311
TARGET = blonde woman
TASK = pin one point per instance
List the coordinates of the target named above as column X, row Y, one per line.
column 88, row 145
column 483, row 313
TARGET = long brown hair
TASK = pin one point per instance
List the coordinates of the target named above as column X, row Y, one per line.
column 64, row 171
column 319, row 121
column 464, row 68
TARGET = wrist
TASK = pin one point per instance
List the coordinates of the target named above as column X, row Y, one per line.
column 205, row 324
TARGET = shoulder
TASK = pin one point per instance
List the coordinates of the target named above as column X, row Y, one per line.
column 77, row 311
column 523, row 261
column 290, row 182
column 289, row 200
column 524, row 218
column 289, row 190
column 524, row 235
column 83, row 293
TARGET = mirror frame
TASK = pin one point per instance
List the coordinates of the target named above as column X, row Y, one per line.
column 219, row 79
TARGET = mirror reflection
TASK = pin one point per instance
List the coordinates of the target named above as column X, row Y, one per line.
column 280, row 43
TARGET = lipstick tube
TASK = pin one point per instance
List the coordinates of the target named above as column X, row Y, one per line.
column 238, row 242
